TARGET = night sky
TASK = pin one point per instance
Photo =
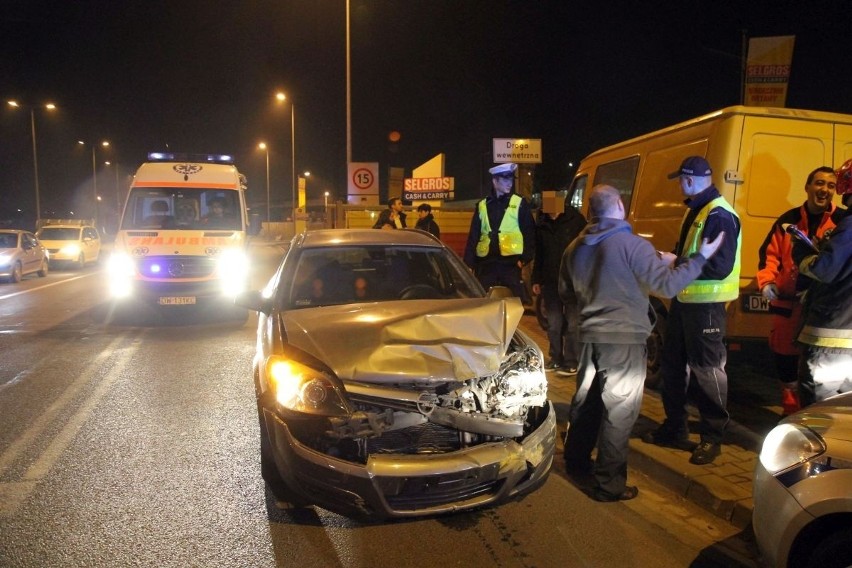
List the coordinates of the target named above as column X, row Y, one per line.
column 448, row 75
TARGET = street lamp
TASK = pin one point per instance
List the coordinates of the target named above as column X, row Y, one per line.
column 281, row 97
column 48, row 106
column 117, row 188
column 263, row 146
column 95, row 197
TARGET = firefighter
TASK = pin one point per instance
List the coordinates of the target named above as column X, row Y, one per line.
column 827, row 331
column 779, row 280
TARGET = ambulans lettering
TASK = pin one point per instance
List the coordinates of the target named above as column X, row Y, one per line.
column 175, row 241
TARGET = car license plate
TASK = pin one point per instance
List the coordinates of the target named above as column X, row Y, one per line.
column 176, row 300
column 755, row 303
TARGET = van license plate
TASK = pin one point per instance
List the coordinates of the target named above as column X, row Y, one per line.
column 176, row 300
column 755, row 303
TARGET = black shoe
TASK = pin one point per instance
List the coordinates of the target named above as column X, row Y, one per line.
column 566, row 371
column 630, row 492
column 662, row 436
column 553, row 365
column 705, row 453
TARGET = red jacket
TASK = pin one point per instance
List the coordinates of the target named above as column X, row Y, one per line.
column 776, row 259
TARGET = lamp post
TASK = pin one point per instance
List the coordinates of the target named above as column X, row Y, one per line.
column 48, row 106
column 95, row 197
column 325, row 208
column 117, row 189
column 263, row 146
column 281, row 97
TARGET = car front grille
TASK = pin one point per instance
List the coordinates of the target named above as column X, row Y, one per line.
column 414, row 493
column 164, row 267
column 426, row 438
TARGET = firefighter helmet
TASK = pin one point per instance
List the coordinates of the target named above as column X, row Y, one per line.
column 844, row 178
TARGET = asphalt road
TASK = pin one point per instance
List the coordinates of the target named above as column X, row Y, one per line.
column 136, row 445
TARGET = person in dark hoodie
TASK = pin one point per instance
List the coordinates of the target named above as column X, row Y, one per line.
column 612, row 271
column 425, row 220
column 558, row 225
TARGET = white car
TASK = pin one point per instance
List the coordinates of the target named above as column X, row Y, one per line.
column 803, row 488
column 21, row 254
column 76, row 244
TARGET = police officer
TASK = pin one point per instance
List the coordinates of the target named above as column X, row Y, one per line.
column 694, row 353
column 502, row 234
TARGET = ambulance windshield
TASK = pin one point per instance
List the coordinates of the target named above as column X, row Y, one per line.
column 180, row 209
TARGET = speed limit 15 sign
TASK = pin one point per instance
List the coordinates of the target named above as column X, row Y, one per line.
column 363, row 178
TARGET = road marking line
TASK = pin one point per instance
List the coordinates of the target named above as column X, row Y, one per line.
column 13, row 294
column 60, row 443
column 14, row 494
column 48, row 416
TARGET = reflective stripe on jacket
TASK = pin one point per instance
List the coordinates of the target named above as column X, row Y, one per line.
column 509, row 236
column 706, row 291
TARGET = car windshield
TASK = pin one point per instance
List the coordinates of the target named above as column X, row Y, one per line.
column 8, row 240
column 169, row 208
column 376, row 273
column 59, row 234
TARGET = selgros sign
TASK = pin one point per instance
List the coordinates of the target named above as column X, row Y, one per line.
column 423, row 189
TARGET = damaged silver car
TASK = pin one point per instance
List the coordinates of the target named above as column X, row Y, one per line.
column 389, row 384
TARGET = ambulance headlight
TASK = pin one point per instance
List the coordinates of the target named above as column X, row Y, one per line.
column 120, row 271
column 233, row 267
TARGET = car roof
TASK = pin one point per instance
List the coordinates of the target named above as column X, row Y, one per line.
column 65, row 226
column 404, row 237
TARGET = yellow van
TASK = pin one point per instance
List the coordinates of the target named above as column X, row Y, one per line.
column 761, row 158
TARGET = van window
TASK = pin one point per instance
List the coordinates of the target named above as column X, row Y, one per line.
column 578, row 191
column 621, row 175
column 660, row 197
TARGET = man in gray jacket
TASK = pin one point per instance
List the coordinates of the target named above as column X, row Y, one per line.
column 612, row 271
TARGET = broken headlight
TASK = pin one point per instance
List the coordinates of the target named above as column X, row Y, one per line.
column 301, row 388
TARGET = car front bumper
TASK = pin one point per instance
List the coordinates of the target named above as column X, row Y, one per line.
column 777, row 517
column 416, row 485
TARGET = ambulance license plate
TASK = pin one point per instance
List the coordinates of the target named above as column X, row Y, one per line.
column 176, row 300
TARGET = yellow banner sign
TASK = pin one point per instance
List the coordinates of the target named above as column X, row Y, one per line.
column 768, row 71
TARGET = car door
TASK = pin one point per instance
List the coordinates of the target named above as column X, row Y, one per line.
column 31, row 259
column 90, row 243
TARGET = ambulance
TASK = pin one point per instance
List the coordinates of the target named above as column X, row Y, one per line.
column 761, row 158
column 184, row 232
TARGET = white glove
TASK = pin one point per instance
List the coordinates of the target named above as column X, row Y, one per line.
column 770, row 292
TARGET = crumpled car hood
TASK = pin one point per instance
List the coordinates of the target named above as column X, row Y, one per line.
column 408, row 340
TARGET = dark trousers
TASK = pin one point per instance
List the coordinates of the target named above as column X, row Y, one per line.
column 693, row 367
column 501, row 273
column 604, row 409
column 562, row 332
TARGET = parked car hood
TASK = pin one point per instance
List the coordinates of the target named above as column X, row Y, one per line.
column 407, row 340
column 830, row 418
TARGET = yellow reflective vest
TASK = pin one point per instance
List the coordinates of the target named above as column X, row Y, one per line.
column 509, row 236
column 707, row 291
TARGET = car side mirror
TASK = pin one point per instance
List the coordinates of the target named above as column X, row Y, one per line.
column 254, row 300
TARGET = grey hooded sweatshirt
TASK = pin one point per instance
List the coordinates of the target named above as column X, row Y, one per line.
column 612, row 272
